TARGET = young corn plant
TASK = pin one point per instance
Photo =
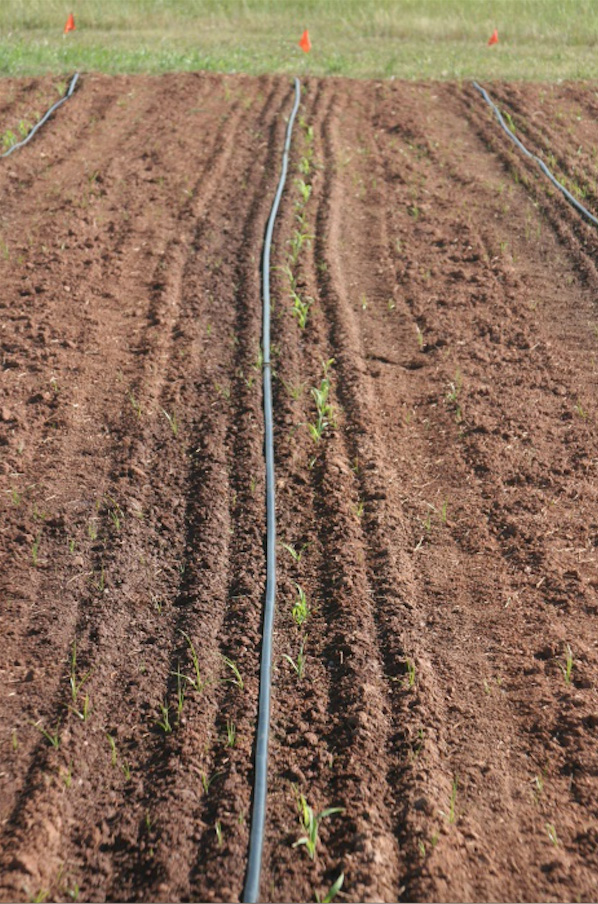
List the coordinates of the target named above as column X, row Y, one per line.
column 298, row 666
column 180, row 695
column 197, row 682
column 82, row 713
column 52, row 738
column 310, row 822
column 301, row 308
column 567, row 666
column 76, row 683
column 332, row 891
column 236, row 675
column 172, row 420
column 304, row 191
column 300, row 607
column 113, row 751
column 300, row 239
column 231, row 733
column 296, row 554
column 164, row 722
column 324, row 408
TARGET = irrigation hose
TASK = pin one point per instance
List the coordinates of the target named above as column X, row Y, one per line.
column 582, row 210
column 44, row 118
column 260, row 785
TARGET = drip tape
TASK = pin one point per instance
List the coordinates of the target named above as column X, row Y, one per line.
column 260, row 786
column 44, row 118
column 579, row 207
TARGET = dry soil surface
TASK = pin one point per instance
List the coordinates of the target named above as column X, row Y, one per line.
column 443, row 528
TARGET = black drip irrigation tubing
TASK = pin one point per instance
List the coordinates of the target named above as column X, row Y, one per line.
column 44, row 118
column 579, row 207
column 260, row 785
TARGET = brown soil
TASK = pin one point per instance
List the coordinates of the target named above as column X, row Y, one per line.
column 447, row 519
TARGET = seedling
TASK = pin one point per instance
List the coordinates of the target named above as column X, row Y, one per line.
column 299, row 665
column 236, row 679
column 298, row 240
column 420, row 337
column 332, row 891
column 164, row 722
column 300, row 607
column 76, row 684
column 304, row 190
column 53, row 739
column 180, row 694
column 310, row 823
column 206, row 780
column 100, row 584
column 218, row 830
column 14, row 740
column 301, row 307
column 326, row 416
column 538, row 784
column 113, row 753
column 84, row 713
column 455, row 388
column 552, row 834
column 115, row 513
column 172, row 420
column 197, row 683
column 567, row 666
column 231, row 733
column 135, row 404
column 294, row 390
column 67, row 775
column 509, row 120
column 126, row 770
column 410, row 672
column 295, row 555
column 451, row 816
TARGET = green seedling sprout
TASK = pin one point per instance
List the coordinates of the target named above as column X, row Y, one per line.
column 53, row 739
column 236, row 679
column 231, row 733
column 76, row 683
column 197, row 683
column 310, row 822
column 298, row 666
column 172, row 420
column 164, row 722
column 332, row 891
column 567, row 666
column 300, row 607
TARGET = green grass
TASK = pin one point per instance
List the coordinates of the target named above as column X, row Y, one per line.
column 539, row 39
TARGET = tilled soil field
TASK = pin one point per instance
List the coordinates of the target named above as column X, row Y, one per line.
column 442, row 688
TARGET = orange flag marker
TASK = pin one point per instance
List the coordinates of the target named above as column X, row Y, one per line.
column 305, row 43
column 70, row 24
column 493, row 39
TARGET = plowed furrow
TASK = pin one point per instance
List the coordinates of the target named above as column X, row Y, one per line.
column 77, row 517
column 439, row 313
column 106, row 626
